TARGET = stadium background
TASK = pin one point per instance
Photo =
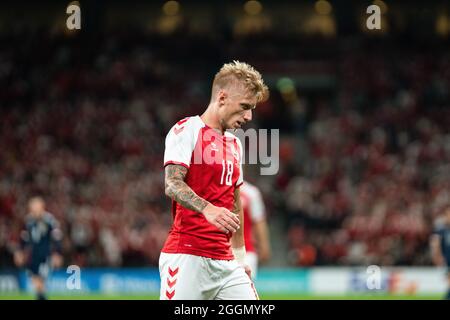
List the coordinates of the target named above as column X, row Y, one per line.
column 363, row 117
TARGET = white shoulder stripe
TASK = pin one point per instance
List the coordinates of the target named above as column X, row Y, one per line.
column 181, row 140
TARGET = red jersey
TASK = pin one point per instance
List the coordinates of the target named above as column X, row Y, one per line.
column 254, row 211
column 214, row 163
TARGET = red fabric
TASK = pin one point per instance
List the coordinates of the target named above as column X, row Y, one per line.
column 191, row 233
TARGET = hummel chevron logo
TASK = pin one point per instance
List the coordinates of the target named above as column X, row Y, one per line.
column 178, row 130
column 173, row 272
column 171, row 283
column 182, row 121
column 170, row 294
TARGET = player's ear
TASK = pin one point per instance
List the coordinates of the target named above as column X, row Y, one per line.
column 221, row 97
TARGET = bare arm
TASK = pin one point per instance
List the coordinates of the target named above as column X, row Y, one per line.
column 436, row 253
column 262, row 236
column 237, row 240
column 177, row 189
column 19, row 253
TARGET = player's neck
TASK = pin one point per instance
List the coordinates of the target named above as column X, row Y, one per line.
column 211, row 120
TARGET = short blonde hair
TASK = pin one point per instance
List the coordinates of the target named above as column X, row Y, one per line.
column 243, row 73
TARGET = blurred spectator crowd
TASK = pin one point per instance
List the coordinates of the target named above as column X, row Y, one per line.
column 363, row 172
column 369, row 179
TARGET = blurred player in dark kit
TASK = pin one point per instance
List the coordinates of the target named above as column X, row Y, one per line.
column 40, row 245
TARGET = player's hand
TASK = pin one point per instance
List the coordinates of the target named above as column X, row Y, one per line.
column 19, row 258
column 57, row 260
column 248, row 270
column 222, row 218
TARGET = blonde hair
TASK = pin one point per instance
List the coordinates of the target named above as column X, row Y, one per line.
column 243, row 73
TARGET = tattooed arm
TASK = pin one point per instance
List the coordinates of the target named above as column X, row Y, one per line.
column 177, row 189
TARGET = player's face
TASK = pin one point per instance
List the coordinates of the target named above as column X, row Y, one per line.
column 36, row 208
column 237, row 107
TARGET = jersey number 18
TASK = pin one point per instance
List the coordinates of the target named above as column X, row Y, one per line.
column 227, row 172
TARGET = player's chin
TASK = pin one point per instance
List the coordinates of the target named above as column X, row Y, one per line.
column 236, row 125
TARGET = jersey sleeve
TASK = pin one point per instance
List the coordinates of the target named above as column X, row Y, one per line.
column 257, row 207
column 24, row 239
column 55, row 233
column 240, row 180
column 179, row 145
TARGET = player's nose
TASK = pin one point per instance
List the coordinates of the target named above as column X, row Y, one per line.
column 248, row 115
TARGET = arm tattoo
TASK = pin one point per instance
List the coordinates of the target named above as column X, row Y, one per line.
column 179, row 191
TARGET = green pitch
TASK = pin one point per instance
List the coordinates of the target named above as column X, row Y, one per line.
column 262, row 296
